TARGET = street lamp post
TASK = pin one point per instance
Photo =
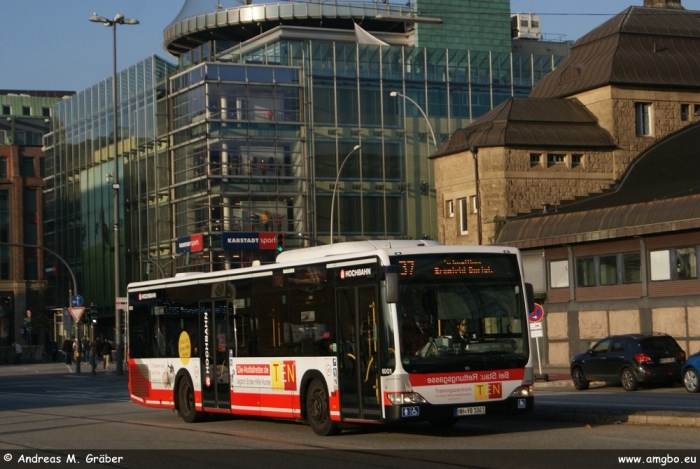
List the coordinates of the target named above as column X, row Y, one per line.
column 335, row 187
column 394, row 94
column 118, row 19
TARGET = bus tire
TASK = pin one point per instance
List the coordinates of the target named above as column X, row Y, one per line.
column 185, row 402
column 317, row 410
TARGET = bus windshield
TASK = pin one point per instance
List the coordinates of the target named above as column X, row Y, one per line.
column 461, row 312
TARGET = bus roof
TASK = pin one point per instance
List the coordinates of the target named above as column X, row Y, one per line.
column 338, row 249
column 326, row 252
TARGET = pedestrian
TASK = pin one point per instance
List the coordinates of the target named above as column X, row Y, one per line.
column 94, row 352
column 106, row 353
column 99, row 344
column 53, row 350
column 86, row 349
column 266, row 220
column 18, row 353
column 67, row 349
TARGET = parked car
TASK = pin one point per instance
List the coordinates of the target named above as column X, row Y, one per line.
column 690, row 371
column 630, row 359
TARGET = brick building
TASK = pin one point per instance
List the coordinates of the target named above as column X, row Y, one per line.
column 587, row 176
column 25, row 117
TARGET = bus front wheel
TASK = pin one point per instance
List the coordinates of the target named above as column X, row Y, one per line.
column 185, row 402
column 317, row 410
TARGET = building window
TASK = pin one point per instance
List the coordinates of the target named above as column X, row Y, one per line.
column 576, row 160
column 643, row 118
column 686, row 263
column 30, row 205
column 472, row 204
column 685, row 111
column 30, row 233
column 46, row 111
column 3, row 135
column 27, row 169
column 26, row 111
column 607, row 270
column 555, row 158
column 3, row 168
column 559, row 274
column 631, row 268
column 450, row 208
column 463, row 216
column 696, row 110
column 660, row 265
column 535, row 159
column 585, row 272
column 6, row 110
column 4, row 234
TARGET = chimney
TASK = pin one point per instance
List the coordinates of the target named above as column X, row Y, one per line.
column 664, row 4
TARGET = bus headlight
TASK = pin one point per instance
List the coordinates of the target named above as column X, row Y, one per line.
column 523, row 391
column 399, row 398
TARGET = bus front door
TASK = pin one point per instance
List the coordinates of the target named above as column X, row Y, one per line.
column 217, row 339
column 357, row 357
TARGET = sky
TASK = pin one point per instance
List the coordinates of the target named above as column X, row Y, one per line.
column 51, row 45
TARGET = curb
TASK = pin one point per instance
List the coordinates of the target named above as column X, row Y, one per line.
column 665, row 420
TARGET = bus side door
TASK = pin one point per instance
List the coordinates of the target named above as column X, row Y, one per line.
column 217, row 337
column 358, row 353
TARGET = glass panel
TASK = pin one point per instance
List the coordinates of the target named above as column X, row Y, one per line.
column 608, row 270
column 632, row 267
column 585, row 272
column 660, row 265
column 559, row 274
column 686, row 263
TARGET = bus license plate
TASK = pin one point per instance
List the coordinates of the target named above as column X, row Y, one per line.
column 478, row 410
column 667, row 360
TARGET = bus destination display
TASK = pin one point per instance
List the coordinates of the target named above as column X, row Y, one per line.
column 451, row 267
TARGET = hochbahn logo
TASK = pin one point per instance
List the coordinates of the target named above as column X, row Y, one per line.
column 350, row 273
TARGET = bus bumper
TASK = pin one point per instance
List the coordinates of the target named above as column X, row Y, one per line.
column 508, row 406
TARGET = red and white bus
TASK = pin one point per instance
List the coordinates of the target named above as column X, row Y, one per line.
column 354, row 333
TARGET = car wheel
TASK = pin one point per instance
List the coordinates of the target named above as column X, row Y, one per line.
column 629, row 380
column 690, row 380
column 317, row 410
column 579, row 379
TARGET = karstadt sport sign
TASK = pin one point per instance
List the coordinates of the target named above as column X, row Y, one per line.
column 253, row 241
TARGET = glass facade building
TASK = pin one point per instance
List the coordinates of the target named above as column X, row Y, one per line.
column 245, row 139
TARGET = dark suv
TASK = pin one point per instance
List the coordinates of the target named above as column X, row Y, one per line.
column 630, row 359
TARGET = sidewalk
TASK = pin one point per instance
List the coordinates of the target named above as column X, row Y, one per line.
column 51, row 368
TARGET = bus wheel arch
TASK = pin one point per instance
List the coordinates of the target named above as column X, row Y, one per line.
column 184, row 399
column 315, row 405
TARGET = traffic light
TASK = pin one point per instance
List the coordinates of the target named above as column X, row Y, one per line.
column 280, row 242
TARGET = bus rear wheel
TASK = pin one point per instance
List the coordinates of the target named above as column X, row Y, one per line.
column 185, row 402
column 317, row 410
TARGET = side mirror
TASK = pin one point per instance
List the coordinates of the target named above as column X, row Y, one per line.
column 530, row 297
column 391, row 283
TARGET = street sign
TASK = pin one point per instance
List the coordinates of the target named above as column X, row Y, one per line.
column 536, row 333
column 536, row 326
column 536, row 314
column 121, row 303
column 76, row 312
column 76, row 301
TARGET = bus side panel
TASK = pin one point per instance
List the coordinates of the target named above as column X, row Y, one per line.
column 152, row 381
column 270, row 387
